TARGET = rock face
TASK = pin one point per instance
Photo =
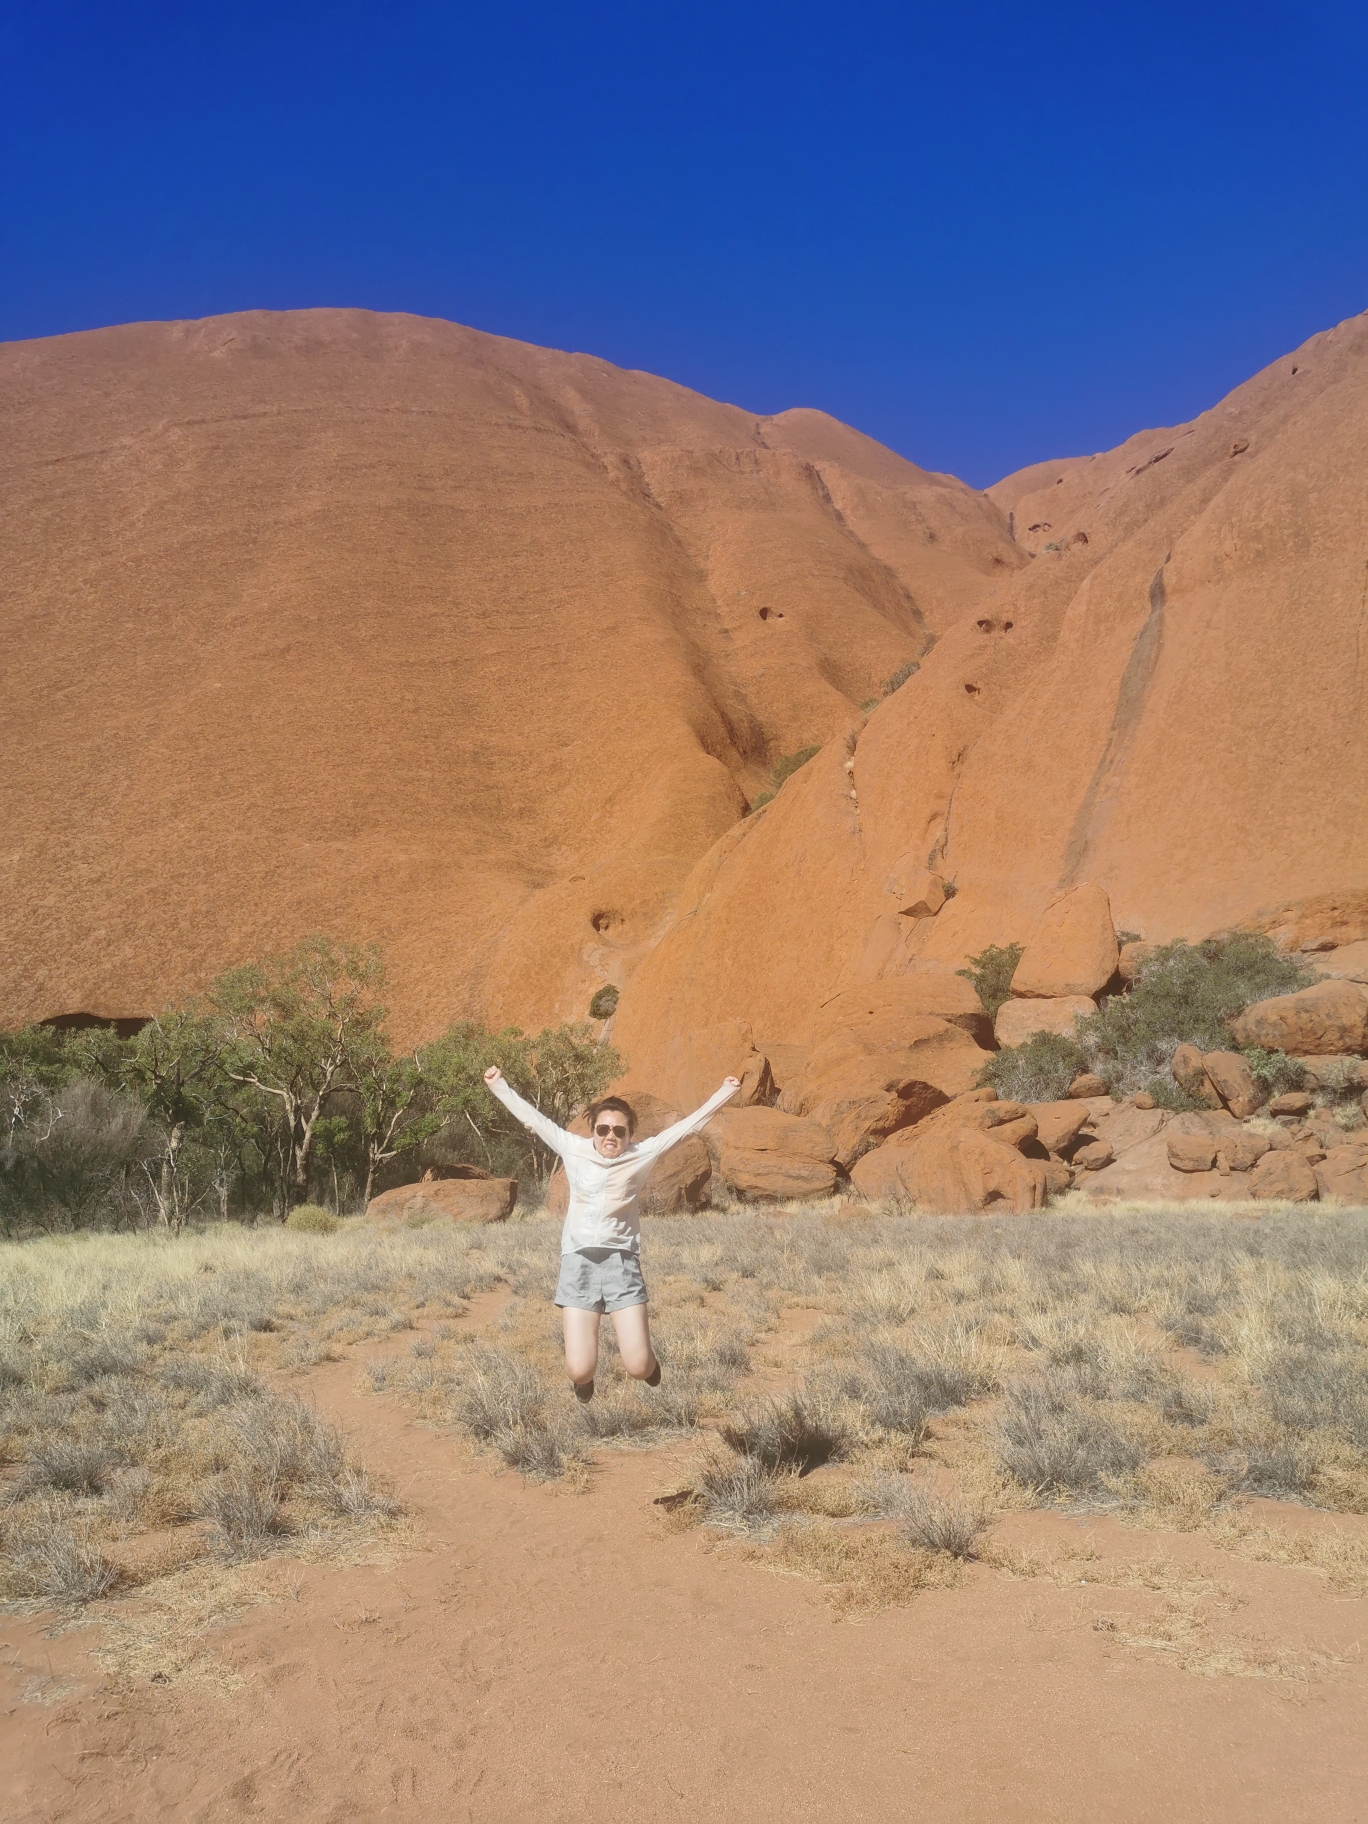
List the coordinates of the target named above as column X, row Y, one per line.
column 1283, row 1177
column 1017, row 1021
column 763, row 1152
column 1179, row 584
column 1074, row 949
column 1329, row 1018
column 446, row 1200
column 414, row 512
column 876, row 1072
column 1058, row 1124
column 953, row 1171
column 1343, row 1174
column 1229, row 1075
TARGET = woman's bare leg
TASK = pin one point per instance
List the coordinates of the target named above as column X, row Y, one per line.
column 634, row 1342
column 581, row 1343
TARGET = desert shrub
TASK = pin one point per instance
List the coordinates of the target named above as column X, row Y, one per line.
column 1319, row 1388
column 991, row 972
column 1038, row 1070
column 1183, row 994
column 938, row 1523
column 604, row 1004
column 312, row 1219
column 44, row 1554
column 737, row 1491
column 246, row 1512
column 67, row 1465
column 870, row 703
column 498, row 1391
column 1049, row 1439
column 793, row 1432
column 71, row 1161
column 1274, row 1071
column 789, row 765
column 906, row 1387
column 906, row 670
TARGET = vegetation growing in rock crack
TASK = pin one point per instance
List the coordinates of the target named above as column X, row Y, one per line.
column 1182, row 994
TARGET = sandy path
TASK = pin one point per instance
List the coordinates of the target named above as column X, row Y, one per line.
column 560, row 1656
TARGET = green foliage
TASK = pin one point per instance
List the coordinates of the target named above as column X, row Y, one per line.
column 758, row 803
column 282, row 1080
column 1040, row 1070
column 870, row 703
column 991, row 972
column 788, row 766
column 1129, row 937
column 1183, row 994
column 558, row 1070
column 1274, row 1071
column 604, row 1004
column 901, row 675
column 312, row 1219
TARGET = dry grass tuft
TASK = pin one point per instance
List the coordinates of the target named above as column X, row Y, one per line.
column 860, row 1569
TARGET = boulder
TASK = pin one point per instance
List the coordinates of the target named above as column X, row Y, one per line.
column 863, row 1084
column 1331, row 1017
column 786, row 1061
column 481, row 1199
column 1191, row 1152
column 1074, row 950
column 1290, row 1102
column 763, row 1152
column 1189, row 1073
column 1343, row 1174
column 1335, row 1072
column 1230, row 1076
column 1017, row 1020
column 1058, row 1124
column 1282, row 1177
column 1127, row 1126
column 1131, row 959
column 1094, row 1156
column 916, row 891
column 1085, row 1087
column 953, row 1171
column 1143, row 1174
column 680, row 1179
column 1009, row 1123
column 1240, row 1150
column 1349, row 962
column 1058, row 1178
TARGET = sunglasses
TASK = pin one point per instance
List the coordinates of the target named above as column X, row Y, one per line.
column 604, row 1129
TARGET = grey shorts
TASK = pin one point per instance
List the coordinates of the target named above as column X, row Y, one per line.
column 600, row 1279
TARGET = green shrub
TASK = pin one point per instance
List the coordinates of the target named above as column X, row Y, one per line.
column 1274, row 1071
column 312, row 1219
column 901, row 675
column 1183, row 994
column 604, row 1004
column 868, row 704
column 991, row 972
column 1040, row 1070
column 788, row 766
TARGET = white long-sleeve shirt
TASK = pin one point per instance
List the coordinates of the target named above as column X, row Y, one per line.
column 605, row 1194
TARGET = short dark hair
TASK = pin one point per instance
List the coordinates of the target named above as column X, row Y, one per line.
column 616, row 1103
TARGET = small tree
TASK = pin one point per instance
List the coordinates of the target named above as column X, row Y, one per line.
column 175, row 1065
column 397, row 1111
column 294, row 1028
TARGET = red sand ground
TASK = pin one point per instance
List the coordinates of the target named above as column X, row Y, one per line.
column 562, row 1656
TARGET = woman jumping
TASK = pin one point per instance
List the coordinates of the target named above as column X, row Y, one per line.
column 600, row 1266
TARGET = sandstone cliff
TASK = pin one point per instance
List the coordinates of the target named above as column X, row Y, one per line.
column 384, row 627
column 1169, row 702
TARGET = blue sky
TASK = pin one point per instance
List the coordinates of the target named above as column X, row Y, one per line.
column 986, row 235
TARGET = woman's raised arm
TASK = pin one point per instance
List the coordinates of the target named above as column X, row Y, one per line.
column 670, row 1136
column 542, row 1125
